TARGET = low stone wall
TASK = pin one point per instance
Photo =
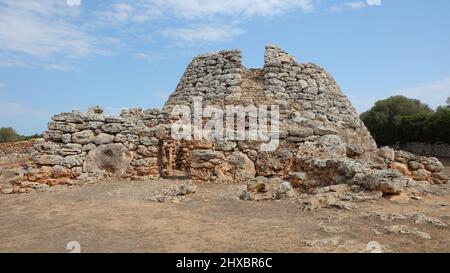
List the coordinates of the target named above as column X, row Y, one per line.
column 92, row 143
column 426, row 149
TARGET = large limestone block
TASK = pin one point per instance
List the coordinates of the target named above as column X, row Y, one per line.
column 112, row 158
column 83, row 137
column 243, row 167
column 238, row 167
column 203, row 156
column 386, row 181
column 277, row 163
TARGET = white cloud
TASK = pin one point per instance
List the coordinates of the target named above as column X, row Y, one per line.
column 374, row 2
column 137, row 12
column 203, row 20
column 51, row 34
column 347, row 6
column 40, row 37
column 202, row 33
column 203, row 8
column 42, row 8
column 120, row 12
column 355, row 5
column 433, row 93
column 35, row 31
column 73, row 3
column 145, row 10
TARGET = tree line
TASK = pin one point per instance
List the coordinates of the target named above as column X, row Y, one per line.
column 8, row 134
column 398, row 120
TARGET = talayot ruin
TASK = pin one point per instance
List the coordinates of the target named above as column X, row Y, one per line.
column 322, row 141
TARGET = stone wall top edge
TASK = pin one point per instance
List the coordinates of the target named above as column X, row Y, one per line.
column 214, row 54
column 124, row 113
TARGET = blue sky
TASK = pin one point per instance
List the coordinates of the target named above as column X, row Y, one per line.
column 59, row 55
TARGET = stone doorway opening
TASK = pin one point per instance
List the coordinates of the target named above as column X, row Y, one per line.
column 174, row 157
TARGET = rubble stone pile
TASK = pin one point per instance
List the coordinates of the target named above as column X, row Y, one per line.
column 22, row 147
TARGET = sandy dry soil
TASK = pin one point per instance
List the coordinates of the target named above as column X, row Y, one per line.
column 118, row 217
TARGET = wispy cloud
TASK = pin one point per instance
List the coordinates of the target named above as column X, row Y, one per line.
column 45, row 8
column 347, row 6
column 73, row 3
column 206, row 20
column 203, row 33
column 354, row 5
column 41, row 30
column 54, row 34
column 194, row 9
column 433, row 93
column 374, row 2
column 10, row 60
column 144, row 10
column 121, row 13
column 39, row 37
column 59, row 67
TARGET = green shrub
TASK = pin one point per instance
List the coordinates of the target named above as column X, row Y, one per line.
column 8, row 134
column 384, row 120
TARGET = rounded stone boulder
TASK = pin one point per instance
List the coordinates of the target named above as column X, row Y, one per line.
column 111, row 158
column 433, row 164
column 387, row 153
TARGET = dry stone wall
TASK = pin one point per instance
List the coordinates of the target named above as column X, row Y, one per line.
column 95, row 144
column 322, row 141
column 214, row 77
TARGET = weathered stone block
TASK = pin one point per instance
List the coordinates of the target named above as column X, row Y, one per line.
column 83, row 137
column 110, row 158
column 112, row 128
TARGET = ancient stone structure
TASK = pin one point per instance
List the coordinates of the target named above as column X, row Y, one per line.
column 322, row 141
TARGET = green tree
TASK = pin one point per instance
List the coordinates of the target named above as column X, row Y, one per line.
column 8, row 134
column 415, row 128
column 385, row 118
column 439, row 125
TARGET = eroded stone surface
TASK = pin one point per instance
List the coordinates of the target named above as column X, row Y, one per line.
column 110, row 158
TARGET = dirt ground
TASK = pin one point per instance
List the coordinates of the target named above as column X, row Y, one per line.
column 119, row 217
